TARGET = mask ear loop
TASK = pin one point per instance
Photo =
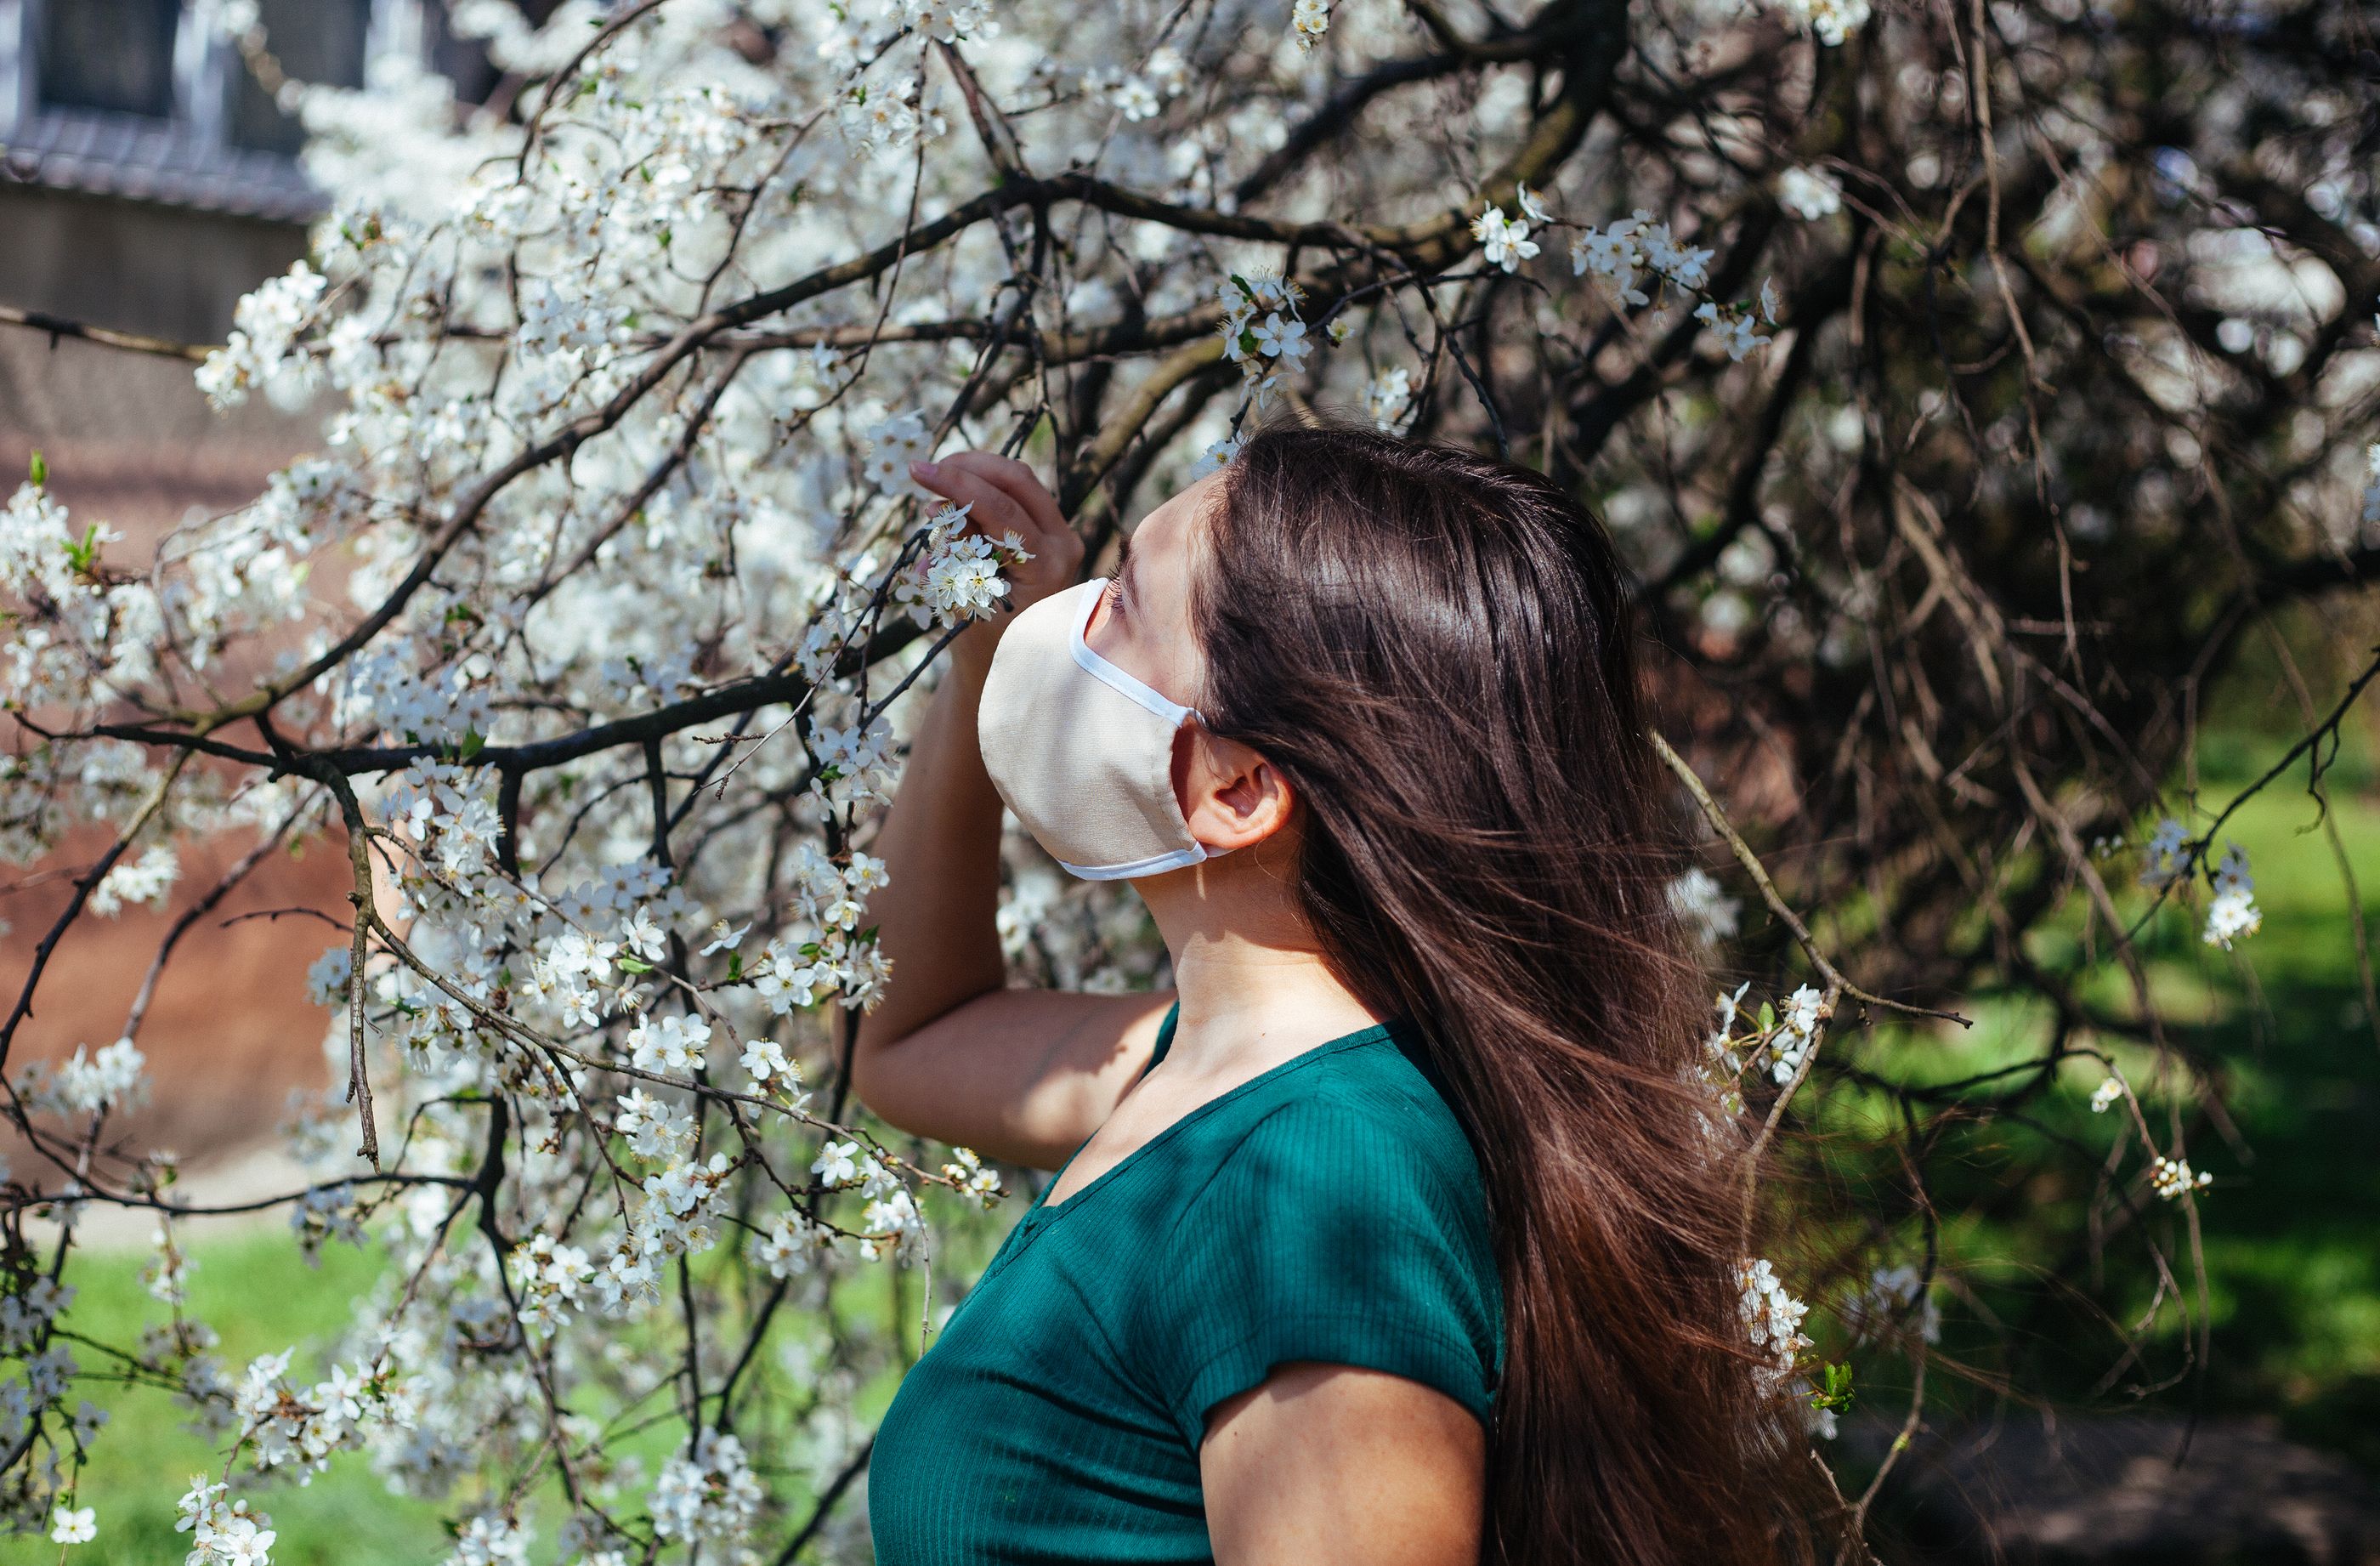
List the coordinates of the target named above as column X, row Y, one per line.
column 1107, row 674
column 1146, row 697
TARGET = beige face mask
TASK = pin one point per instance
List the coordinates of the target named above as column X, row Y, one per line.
column 1082, row 751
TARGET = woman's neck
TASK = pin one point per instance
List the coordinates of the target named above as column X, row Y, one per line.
column 1255, row 987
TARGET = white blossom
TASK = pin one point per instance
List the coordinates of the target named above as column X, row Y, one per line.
column 1611, row 254
column 2173, row 1179
column 837, row 1164
column 1832, row 20
column 1772, row 1319
column 1700, row 905
column 791, row 1245
column 1502, row 241
column 1217, row 456
column 1308, row 21
column 1389, row 398
column 708, row 1495
column 2167, row 854
column 672, row 1044
column 1893, row 1294
column 2232, row 914
column 86, row 1083
column 264, row 333
column 1734, row 329
column 146, row 881
column 1809, row 193
column 491, row 1541
column 1797, row 1031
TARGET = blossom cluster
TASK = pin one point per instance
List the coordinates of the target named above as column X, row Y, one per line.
column 1704, row 907
column 1897, row 1299
column 2171, row 855
column 1796, row 1032
column 1772, row 1319
column 2231, row 912
column 1261, row 329
column 2173, row 1178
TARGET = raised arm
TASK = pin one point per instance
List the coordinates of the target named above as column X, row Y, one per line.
column 1023, row 1075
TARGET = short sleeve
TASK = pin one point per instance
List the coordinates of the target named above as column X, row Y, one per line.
column 1350, row 1233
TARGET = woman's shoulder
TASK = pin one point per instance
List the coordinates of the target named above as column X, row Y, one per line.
column 1345, row 1223
column 1364, row 1122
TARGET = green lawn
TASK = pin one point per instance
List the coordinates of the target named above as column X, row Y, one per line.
column 254, row 1289
column 2292, row 1262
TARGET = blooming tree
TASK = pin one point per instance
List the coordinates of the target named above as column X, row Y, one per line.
column 1958, row 411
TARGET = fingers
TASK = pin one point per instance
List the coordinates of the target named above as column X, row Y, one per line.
column 1004, row 492
column 990, row 511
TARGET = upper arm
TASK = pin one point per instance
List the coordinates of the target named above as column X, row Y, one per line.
column 1327, row 1463
column 1024, row 1076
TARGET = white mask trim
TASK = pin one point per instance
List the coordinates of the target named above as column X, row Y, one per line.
column 1113, row 677
column 1173, row 861
column 1123, row 682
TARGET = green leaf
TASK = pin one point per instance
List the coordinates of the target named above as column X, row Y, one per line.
column 1767, row 1017
column 636, row 964
column 734, row 967
column 473, row 743
column 1833, row 1390
column 40, row 471
column 83, row 555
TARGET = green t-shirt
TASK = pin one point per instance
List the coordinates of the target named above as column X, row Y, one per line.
column 1328, row 1209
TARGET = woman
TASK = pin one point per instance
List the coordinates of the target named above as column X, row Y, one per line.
column 1395, row 1234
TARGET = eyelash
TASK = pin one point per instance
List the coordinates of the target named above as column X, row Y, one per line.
column 1115, row 594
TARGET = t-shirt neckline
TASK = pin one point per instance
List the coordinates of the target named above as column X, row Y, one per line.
column 1043, row 1210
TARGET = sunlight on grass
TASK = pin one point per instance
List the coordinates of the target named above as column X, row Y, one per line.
column 252, row 1287
column 2277, row 1026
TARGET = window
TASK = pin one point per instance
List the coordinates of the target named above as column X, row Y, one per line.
column 146, row 99
column 111, row 55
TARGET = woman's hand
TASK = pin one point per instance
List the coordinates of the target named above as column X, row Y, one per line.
column 1004, row 497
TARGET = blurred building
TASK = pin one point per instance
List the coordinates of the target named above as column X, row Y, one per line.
column 149, row 178
column 147, row 181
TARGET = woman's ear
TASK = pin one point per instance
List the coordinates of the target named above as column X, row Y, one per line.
column 1230, row 795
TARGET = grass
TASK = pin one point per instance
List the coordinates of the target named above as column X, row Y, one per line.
column 253, row 1286
column 254, row 1289
column 2292, row 1271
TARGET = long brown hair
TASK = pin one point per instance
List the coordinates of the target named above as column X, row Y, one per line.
column 1435, row 650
